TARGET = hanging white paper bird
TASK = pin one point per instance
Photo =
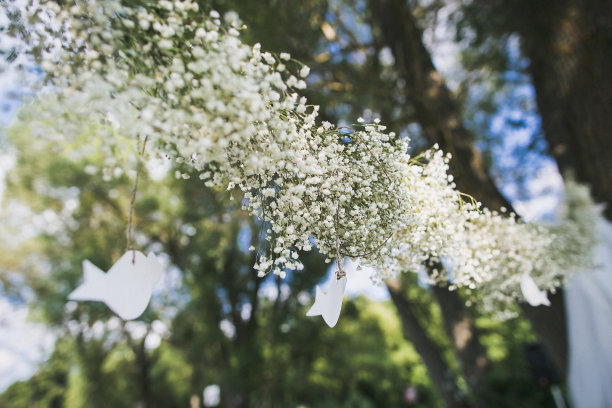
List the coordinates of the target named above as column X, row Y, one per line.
column 126, row 288
column 533, row 295
column 329, row 304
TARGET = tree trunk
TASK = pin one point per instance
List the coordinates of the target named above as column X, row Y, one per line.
column 144, row 382
column 430, row 352
column 550, row 323
column 465, row 337
column 440, row 119
column 436, row 110
column 569, row 45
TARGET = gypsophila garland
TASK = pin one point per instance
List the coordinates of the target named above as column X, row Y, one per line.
column 119, row 73
column 505, row 248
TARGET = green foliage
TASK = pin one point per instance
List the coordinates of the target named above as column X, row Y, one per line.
column 276, row 356
column 47, row 388
column 509, row 381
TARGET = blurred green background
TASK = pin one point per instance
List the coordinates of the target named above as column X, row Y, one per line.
column 215, row 334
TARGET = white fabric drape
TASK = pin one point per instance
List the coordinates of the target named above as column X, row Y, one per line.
column 589, row 314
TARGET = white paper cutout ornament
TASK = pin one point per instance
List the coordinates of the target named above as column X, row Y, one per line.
column 328, row 304
column 533, row 295
column 126, row 288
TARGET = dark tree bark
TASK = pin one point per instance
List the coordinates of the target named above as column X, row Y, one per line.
column 459, row 327
column 435, row 109
column 550, row 324
column 430, row 352
column 440, row 118
column 144, row 382
column 569, row 45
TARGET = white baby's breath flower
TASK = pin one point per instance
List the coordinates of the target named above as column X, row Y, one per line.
column 304, row 71
column 232, row 113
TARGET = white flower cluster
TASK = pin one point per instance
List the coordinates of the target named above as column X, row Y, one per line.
column 196, row 93
column 159, row 73
column 344, row 188
column 188, row 87
column 436, row 228
column 504, row 248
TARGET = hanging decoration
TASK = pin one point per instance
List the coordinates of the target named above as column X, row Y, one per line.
column 126, row 288
column 165, row 76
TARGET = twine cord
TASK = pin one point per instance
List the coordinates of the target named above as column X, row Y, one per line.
column 129, row 246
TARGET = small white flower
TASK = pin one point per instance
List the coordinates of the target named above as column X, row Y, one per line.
column 304, row 71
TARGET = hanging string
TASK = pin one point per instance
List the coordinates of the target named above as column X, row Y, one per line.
column 133, row 202
column 340, row 273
